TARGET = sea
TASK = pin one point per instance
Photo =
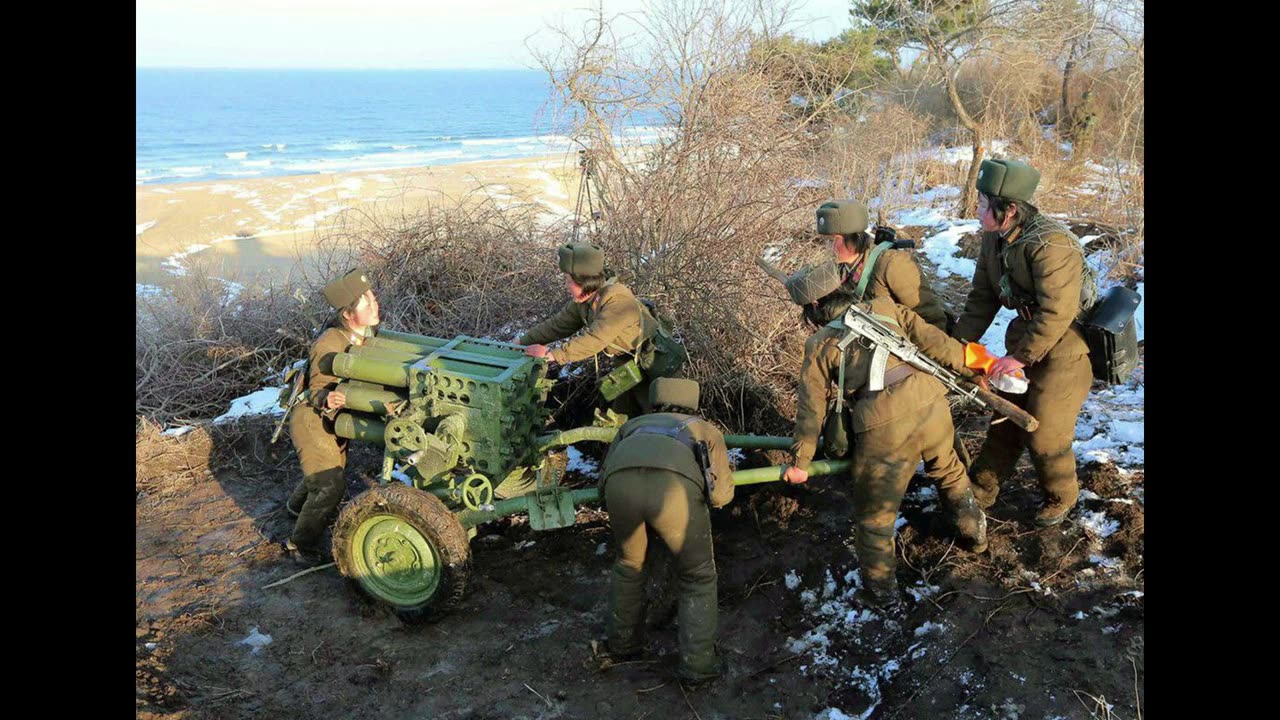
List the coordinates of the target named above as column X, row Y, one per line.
column 202, row 125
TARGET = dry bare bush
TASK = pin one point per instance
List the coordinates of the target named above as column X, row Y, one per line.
column 205, row 341
column 464, row 265
column 684, row 221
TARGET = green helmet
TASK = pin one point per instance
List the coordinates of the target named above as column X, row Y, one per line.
column 1007, row 179
column 842, row 217
column 343, row 291
column 674, row 391
column 581, row 259
column 813, row 283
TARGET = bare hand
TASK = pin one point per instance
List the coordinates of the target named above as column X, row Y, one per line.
column 538, row 351
column 795, row 475
column 1005, row 366
column 335, row 400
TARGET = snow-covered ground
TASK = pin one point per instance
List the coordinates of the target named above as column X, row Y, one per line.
column 1110, row 430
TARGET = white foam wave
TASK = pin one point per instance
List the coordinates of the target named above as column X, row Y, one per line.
column 236, row 155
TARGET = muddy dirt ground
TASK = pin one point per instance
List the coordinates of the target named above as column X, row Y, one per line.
column 1046, row 624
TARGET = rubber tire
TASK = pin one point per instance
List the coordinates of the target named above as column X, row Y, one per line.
column 429, row 516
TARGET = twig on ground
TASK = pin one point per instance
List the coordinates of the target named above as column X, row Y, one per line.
column 535, row 692
column 295, row 576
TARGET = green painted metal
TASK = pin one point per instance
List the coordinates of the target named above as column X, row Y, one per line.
column 385, row 355
column 564, row 438
column 584, row 496
column 360, row 427
column 773, row 473
column 468, row 406
column 394, row 562
column 758, row 442
column 371, row 370
column 383, row 343
column 494, row 348
column 370, row 400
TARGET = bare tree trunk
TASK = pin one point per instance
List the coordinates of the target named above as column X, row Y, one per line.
column 969, row 196
column 1064, row 113
column 968, row 199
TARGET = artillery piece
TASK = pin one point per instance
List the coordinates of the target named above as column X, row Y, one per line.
column 460, row 422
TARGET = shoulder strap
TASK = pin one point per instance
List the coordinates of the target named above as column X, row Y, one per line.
column 867, row 267
column 839, row 324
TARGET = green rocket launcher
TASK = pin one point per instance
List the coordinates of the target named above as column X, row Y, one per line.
column 461, row 424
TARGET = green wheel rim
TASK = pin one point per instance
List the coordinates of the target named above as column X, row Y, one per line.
column 395, row 562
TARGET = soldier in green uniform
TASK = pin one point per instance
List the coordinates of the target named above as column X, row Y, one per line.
column 895, row 428
column 603, row 315
column 662, row 472
column 321, row 452
column 1035, row 266
column 870, row 271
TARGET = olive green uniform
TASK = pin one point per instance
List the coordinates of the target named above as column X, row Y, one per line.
column 895, row 428
column 1045, row 272
column 895, row 275
column 322, row 453
column 614, row 322
column 652, row 482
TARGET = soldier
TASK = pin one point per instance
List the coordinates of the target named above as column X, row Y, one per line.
column 1033, row 265
column 661, row 473
column 607, row 317
column 321, row 452
column 868, row 272
column 909, row 420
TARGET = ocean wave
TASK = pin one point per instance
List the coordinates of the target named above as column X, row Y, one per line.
column 402, row 147
column 236, row 155
column 528, row 140
column 344, row 146
column 277, row 146
column 240, row 173
column 256, row 163
column 374, row 161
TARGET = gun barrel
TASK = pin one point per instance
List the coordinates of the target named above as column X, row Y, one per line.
column 772, row 270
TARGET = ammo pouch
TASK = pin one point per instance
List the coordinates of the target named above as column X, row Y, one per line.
column 837, row 440
column 662, row 355
column 621, row 379
column 667, row 355
column 1111, row 335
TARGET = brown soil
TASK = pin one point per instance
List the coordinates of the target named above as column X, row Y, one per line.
column 1033, row 628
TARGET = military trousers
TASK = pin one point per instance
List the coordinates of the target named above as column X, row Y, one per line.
column 323, row 456
column 884, row 459
column 672, row 507
column 1057, row 390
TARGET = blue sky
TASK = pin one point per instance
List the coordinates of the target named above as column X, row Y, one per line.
column 378, row 33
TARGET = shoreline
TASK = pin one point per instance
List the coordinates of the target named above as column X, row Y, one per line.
column 268, row 225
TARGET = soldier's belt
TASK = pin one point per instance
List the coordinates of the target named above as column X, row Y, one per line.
column 891, row 377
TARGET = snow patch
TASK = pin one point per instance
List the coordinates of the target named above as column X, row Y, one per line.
column 256, row 640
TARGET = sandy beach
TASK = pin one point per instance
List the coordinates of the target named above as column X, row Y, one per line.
column 267, row 225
